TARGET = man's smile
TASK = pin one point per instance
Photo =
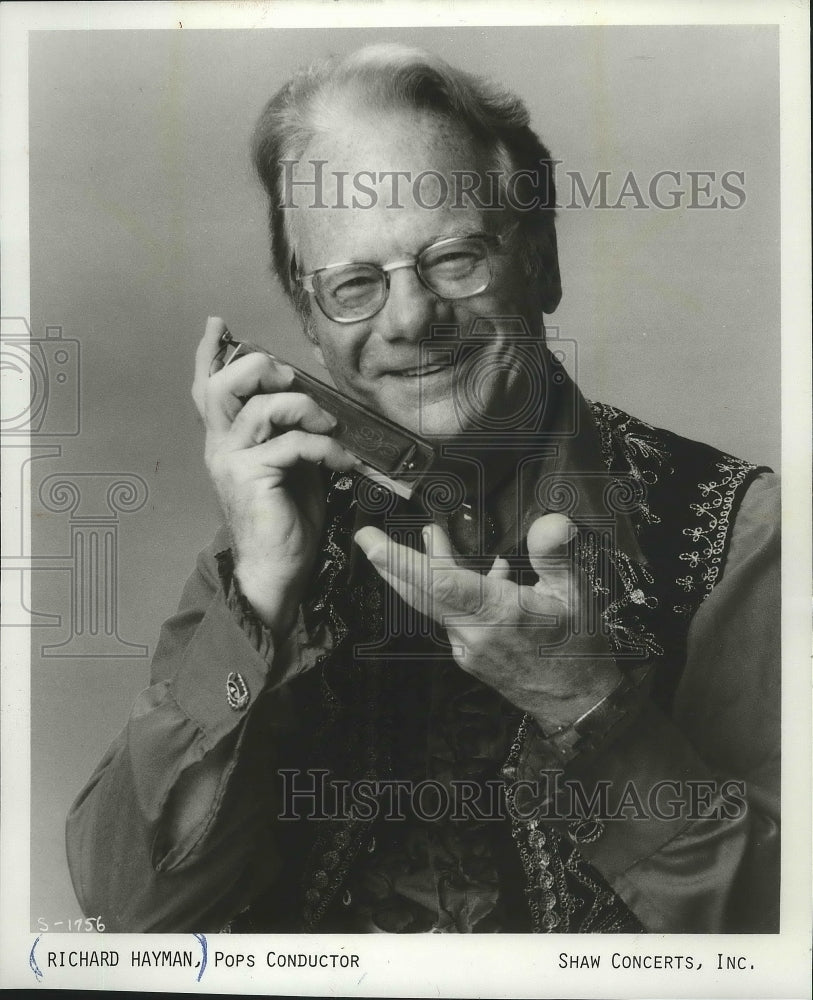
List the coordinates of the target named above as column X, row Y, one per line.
column 420, row 371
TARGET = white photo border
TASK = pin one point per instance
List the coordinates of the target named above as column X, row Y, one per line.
column 432, row 966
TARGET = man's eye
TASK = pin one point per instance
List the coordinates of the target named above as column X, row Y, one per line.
column 349, row 285
column 351, row 289
column 452, row 262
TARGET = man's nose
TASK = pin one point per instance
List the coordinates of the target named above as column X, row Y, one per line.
column 410, row 309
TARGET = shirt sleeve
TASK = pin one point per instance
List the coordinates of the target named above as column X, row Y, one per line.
column 216, row 682
column 697, row 847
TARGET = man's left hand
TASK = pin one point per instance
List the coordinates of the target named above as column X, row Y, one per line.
column 530, row 643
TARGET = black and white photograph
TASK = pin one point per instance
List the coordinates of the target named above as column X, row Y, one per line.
column 406, row 505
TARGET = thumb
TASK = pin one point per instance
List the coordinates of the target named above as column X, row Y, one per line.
column 547, row 539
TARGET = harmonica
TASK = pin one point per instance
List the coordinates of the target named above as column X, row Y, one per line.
column 390, row 454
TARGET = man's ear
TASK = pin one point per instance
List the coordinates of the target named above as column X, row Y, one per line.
column 318, row 354
column 551, row 285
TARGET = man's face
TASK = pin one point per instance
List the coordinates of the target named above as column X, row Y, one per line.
column 378, row 360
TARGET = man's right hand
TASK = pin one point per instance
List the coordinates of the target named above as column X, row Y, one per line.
column 263, row 446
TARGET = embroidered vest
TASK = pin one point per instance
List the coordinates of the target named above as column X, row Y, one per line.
column 681, row 496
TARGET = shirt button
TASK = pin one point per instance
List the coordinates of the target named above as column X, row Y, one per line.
column 237, row 693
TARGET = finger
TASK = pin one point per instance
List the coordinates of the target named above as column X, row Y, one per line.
column 207, row 348
column 404, row 569
column 293, row 447
column 261, row 415
column 433, row 590
column 437, row 543
column 500, row 569
column 227, row 390
column 375, row 544
column 547, row 538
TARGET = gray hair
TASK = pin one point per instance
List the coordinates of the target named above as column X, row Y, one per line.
column 395, row 76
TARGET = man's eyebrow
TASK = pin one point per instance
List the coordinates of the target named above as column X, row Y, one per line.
column 458, row 232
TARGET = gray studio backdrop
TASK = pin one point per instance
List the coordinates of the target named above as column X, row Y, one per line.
column 145, row 219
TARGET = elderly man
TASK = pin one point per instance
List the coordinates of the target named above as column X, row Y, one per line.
column 541, row 692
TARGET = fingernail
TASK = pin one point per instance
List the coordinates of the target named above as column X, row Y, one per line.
column 359, row 539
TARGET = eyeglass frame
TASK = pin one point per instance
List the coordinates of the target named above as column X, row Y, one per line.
column 493, row 241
